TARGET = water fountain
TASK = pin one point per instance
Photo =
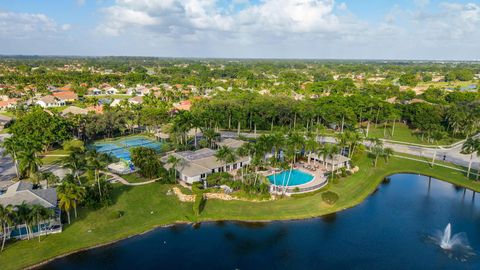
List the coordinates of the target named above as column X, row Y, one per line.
column 446, row 242
column 455, row 246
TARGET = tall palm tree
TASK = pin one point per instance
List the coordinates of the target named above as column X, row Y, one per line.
column 23, row 215
column 66, row 198
column 332, row 152
column 29, row 162
column 296, row 141
column 12, row 147
column 6, row 220
column 376, row 152
column 75, row 162
column 78, row 194
column 174, row 161
column 387, row 153
column 226, row 155
column 96, row 162
column 469, row 147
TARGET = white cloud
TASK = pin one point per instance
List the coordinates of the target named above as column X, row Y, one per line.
column 27, row 25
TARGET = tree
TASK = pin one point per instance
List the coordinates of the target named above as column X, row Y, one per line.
column 226, row 155
column 29, row 162
column 469, row 147
column 66, row 197
column 7, row 218
column 12, row 147
column 376, row 152
column 147, row 161
column 174, row 162
column 387, row 153
column 75, row 162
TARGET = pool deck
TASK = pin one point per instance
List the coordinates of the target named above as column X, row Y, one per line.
column 319, row 180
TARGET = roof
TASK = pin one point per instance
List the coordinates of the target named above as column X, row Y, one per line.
column 23, row 191
column 65, row 95
column 232, row 143
column 48, row 99
column 183, row 105
column 74, row 110
column 6, row 103
column 198, row 162
column 136, row 100
column 337, row 159
column 97, row 109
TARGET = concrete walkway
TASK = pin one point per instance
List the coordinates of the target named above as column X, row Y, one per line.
column 120, row 179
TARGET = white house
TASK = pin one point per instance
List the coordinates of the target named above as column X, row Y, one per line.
column 50, row 101
column 111, row 91
column 195, row 166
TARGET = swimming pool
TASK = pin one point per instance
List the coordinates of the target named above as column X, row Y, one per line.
column 296, row 178
column 121, row 148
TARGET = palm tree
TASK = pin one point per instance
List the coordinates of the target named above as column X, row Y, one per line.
column 66, row 198
column 387, row 153
column 78, row 194
column 332, row 152
column 96, row 162
column 12, row 147
column 376, row 152
column 29, row 162
column 296, row 141
column 226, row 155
column 37, row 213
column 75, row 162
column 174, row 161
column 6, row 221
column 23, row 215
column 469, row 147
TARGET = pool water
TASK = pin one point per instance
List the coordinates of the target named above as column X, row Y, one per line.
column 121, row 148
column 296, row 178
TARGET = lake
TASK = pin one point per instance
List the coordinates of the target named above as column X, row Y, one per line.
column 394, row 228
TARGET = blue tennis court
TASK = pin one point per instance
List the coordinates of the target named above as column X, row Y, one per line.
column 121, row 148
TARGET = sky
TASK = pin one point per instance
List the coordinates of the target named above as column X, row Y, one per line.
column 318, row 29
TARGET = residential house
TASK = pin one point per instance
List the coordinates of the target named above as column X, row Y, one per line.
column 136, row 100
column 66, row 96
column 50, row 101
column 184, row 105
column 74, row 110
column 111, row 91
column 23, row 192
column 8, row 104
column 94, row 91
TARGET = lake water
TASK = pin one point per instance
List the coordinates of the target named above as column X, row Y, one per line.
column 392, row 229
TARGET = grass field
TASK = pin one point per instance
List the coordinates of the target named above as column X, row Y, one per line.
column 146, row 207
column 403, row 134
column 134, row 178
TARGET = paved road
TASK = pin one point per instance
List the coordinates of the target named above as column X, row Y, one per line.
column 452, row 154
column 7, row 169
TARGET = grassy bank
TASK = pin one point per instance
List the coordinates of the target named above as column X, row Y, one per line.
column 403, row 134
column 146, row 207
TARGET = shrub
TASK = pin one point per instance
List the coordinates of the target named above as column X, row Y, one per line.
column 296, row 189
column 330, row 197
column 199, row 204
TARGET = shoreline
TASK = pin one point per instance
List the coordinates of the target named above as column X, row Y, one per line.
column 356, row 203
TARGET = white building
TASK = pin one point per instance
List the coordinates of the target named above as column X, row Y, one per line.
column 50, row 101
column 195, row 166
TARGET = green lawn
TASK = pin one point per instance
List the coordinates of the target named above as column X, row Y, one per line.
column 146, row 207
column 55, row 156
column 403, row 134
column 134, row 178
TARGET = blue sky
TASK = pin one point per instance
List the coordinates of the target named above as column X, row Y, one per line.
column 358, row 29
